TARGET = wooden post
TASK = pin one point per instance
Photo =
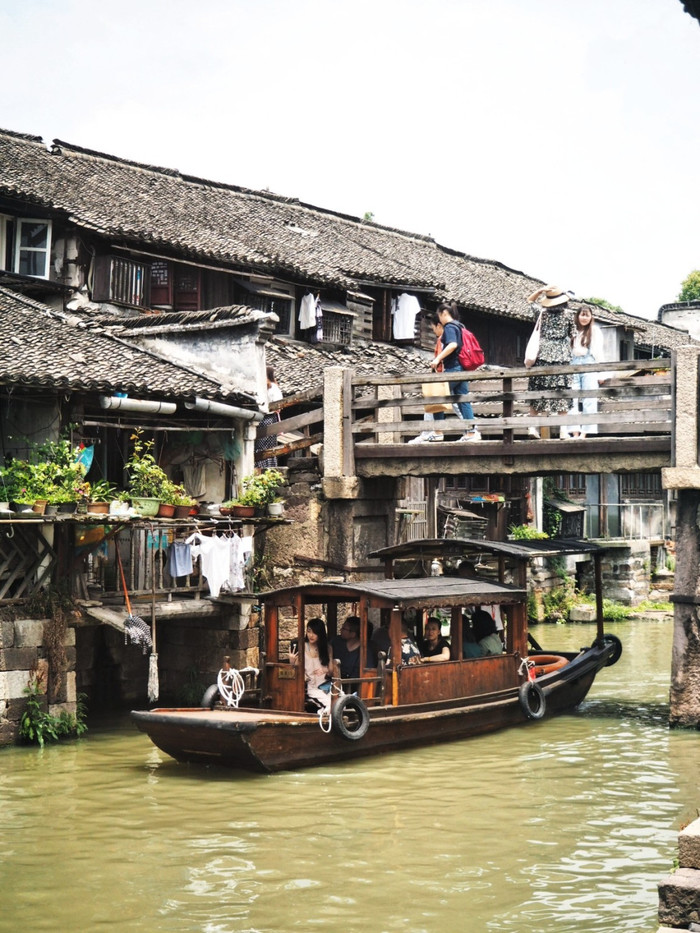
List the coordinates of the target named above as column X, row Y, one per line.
column 597, row 564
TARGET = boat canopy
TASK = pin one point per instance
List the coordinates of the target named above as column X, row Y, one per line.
column 419, row 593
column 457, row 547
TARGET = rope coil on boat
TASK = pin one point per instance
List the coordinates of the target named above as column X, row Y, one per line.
column 231, row 685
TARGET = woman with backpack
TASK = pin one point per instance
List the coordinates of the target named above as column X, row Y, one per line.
column 452, row 340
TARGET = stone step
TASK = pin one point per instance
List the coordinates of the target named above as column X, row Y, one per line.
column 679, row 898
column 689, row 845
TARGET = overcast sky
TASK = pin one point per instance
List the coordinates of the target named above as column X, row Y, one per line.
column 560, row 138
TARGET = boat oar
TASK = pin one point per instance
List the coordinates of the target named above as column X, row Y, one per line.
column 134, row 627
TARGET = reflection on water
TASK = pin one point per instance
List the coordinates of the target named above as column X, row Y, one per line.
column 565, row 825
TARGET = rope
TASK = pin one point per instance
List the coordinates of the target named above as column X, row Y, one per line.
column 527, row 668
column 232, row 685
column 324, row 714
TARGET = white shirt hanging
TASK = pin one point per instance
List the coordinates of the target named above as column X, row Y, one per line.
column 405, row 309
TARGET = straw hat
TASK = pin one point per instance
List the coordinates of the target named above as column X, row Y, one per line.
column 550, row 296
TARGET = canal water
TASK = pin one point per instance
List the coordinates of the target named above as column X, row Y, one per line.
column 563, row 825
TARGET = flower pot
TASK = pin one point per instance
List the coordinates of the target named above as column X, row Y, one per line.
column 66, row 508
column 117, row 507
column 40, row 506
column 99, row 508
column 51, row 508
column 242, row 511
column 145, row 505
column 183, row 511
column 275, row 509
column 166, row 510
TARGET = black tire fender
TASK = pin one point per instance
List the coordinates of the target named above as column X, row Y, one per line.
column 532, row 700
column 211, row 695
column 358, row 724
column 617, row 649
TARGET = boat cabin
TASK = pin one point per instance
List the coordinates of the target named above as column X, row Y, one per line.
column 465, row 583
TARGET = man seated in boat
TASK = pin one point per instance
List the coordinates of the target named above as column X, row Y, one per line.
column 434, row 647
column 346, row 651
column 486, row 632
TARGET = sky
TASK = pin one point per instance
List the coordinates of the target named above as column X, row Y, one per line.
column 561, row 139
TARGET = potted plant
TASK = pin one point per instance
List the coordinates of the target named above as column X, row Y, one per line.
column 148, row 482
column 183, row 503
column 259, row 489
column 276, row 507
column 100, row 494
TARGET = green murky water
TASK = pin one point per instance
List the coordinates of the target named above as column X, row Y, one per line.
column 565, row 825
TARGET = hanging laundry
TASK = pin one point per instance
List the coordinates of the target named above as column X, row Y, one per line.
column 307, row 312
column 180, row 559
column 319, row 320
column 214, row 555
column 404, row 310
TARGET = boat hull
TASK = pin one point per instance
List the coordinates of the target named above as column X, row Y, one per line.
column 273, row 740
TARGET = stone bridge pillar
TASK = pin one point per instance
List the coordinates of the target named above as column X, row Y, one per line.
column 684, row 476
column 359, row 514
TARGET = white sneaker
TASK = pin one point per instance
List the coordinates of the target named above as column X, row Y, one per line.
column 470, row 436
column 533, row 432
column 435, row 436
column 422, row 438
column 564, row 434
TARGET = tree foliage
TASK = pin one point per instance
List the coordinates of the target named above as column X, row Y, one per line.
column 690, row 287
column 602, row 303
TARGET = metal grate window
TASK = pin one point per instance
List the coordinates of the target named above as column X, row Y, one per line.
column 337, row 328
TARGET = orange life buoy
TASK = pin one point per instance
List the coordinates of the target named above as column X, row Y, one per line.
column 546, row 663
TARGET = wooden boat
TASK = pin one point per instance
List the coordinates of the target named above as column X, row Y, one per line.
column 394, row 706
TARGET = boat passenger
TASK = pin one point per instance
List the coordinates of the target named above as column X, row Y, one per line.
column 434, row 647
column 346, row 649
column 470, row 646
column 486, row 633
column 409, row 649
column 318, row 664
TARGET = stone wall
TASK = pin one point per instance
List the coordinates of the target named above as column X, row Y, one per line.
column 23, row 657
column 679, row 893
column 626, row 571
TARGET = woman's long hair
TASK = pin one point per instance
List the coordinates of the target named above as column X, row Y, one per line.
column 318, row 627
column 584, row 329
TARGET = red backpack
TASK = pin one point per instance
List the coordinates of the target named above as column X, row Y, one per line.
column 471, row 356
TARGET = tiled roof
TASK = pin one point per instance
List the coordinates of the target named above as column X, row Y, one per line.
column 179, row 321
column 259, row 231
column 49, row 349
column 243, row 228
column 299, row 366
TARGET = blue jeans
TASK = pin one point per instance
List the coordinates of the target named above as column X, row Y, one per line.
column 458, row 388
column 584, row 382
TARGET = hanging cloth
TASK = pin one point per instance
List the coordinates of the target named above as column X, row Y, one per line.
column 307, row 312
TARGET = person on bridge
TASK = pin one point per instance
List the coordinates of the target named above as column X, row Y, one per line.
column 556, row 335
column 449, row 357
column 586, row 347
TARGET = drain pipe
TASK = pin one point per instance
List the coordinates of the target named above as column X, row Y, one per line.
column 227, row 411
column 137, row 404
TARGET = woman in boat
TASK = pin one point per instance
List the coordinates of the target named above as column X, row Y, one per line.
column 434, row 646
column 318, row 662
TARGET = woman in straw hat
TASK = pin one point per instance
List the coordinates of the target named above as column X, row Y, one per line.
column 555, row 348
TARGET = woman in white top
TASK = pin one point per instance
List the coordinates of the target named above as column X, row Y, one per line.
column 318, row 663
column 586, row 347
